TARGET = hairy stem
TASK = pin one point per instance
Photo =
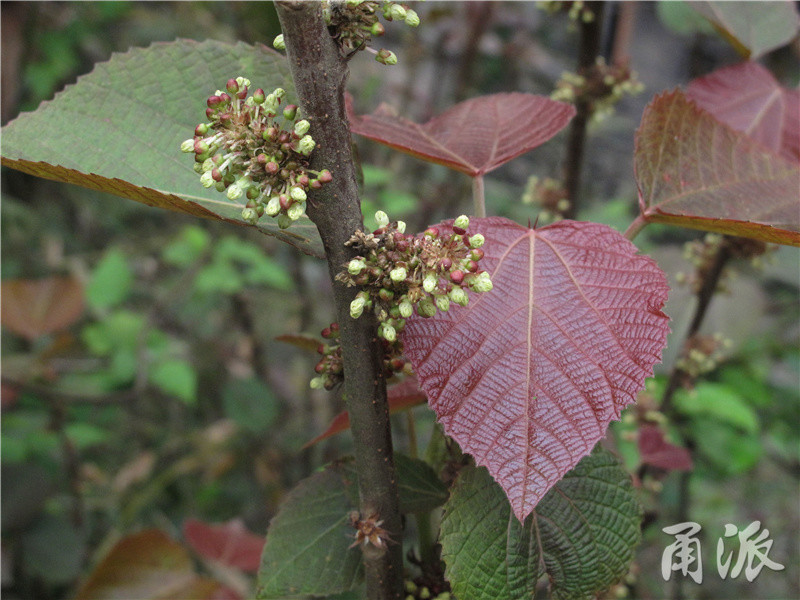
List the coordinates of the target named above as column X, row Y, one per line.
column 319, row 72
column 635, row 227
column 589, row 47
column 478, row 196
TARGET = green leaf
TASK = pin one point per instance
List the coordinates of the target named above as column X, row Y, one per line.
column 581, row 534
column 726, row 448
column 119, row 128
column 752, row 28
column 218, row 276
column 259, row 268
column 118, row 330
column 85, row 435
column 187, row 247
column 251, row 404
column 110, row 282
column 307, row 550
column 53, row 549
column 175, row 377
column 718, row 401
column 420, row 488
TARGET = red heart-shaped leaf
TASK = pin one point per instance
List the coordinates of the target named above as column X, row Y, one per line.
column 656, row 451
column 474, row 136
column 527, row 377
column 695, row 171
column 748, row 98
column 36, row 307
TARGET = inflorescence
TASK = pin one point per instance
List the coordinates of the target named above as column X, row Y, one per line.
column 353, row 24
column 244, row 151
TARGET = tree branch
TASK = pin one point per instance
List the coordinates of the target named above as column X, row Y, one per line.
column 319, row 72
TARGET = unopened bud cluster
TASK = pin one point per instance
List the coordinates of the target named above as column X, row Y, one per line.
column 330, row 370
column 599, row 87
column 353, row 24
column 550, row 195
column 576, row 10
column 702, row 254
column 245, row 151
column 403, row 274
column 702, row 354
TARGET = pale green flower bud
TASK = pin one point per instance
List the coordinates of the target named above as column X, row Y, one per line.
column 297, row 194
column 412, row 18
column 301, row 127
column 187, row 146
column 250, row 215
column 386, row 57
column 387, row 332
column 381, row 218
column 401, row 226
column 476, row 241
column 398, row 274
column 306, row 145
column 462, row 222
column 296, row 211
column 283, row 221
column 279, row 93
column 430, row 282
column 443, row 303
column 278, row 43
column 356, row 265
column 234, row 192
column 317, row 382
column 207, row 180
column 459, row 296
column 243, row 82
column 273, row 206
column 198, row 168
column 482, row 283
column 397, row 12
column 426, row 308
column 357, row 306
column 208, row 164
column 406, row 308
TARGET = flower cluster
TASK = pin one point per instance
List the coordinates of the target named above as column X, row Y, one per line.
column 353, row 23
column 702, row 354
column 329, row 368
column 244, row 151
column 600, row 87
column 403, row 273
column 550, row 195
column 576, row 10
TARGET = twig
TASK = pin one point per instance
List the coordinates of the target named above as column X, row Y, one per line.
column 634, row 228
column 319, row 72
column 478, row 196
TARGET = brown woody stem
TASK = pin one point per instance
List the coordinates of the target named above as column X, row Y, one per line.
column 319, row 72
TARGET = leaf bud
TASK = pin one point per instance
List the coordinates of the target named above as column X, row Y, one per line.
column 381, row 218
column 443, row 303
column 306, row 145
column 398, row 274
column 406, row 308
column 301, row 127
column 459, row 296
column 298, row 194
column 461, row 223
column 355, row 266
column 412, row 18
column 430, row 282
column 187, row 145
column 476, row 241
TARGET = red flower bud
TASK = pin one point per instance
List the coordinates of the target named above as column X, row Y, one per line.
column 457, row 276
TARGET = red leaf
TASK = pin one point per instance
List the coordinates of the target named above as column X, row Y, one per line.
column 749, row 99
column 230, row 544
column 694, row 171
column 36, row 307
column 298, row 340
column 474, row 136
column 147, row 565
column 527, row 377
column 658, row 452
column 400, row 396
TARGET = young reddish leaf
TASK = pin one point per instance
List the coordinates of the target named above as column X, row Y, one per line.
column 474, row 136
column 230, row 544
column 656, row 451
column 36, row 307
column 147, row 565
column 748, row 98
column 527, row 377
column 401, row 396
column 694, row 171
column 752, row 28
